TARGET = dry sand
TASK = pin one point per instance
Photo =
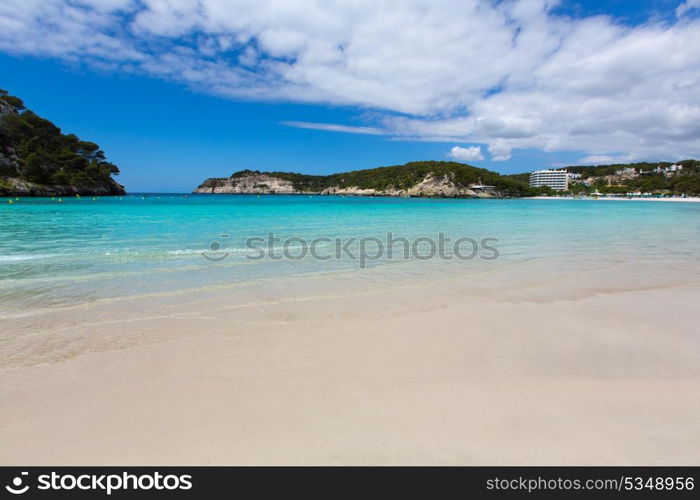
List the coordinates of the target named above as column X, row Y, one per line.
column 429, row 374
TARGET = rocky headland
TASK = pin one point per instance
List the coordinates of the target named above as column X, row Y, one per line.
column 416, row 179
column 37, row 159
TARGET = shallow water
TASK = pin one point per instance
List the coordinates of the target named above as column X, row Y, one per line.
column 74, row 251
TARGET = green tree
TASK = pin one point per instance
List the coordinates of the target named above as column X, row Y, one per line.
column 46, row 155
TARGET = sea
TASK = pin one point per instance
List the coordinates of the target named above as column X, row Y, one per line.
column 70, row 251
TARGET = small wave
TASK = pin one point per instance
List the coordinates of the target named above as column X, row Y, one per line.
column 120, row 254
column 149, row 254
column 18, row 258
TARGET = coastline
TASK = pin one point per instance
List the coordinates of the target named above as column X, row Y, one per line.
column 577, row 346
column 690, row 199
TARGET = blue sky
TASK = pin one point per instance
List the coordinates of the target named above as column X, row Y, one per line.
column 172, row 100
column 166, row 138
column 626, row 11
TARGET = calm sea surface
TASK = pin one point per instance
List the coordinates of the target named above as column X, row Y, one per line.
column 55, row 253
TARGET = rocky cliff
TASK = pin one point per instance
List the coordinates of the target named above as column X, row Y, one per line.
column 430, row 186
column 248, row 184
column 16, row 186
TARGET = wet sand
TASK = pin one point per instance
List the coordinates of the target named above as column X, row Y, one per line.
column 432, row 373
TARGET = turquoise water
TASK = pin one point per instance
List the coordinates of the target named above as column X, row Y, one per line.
column 79, row 250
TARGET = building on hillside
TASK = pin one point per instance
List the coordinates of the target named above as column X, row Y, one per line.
column 629, row 171
column 482, row 187
column 555, row 179
column 668, row 170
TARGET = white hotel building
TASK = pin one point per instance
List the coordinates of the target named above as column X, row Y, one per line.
column 556, row 179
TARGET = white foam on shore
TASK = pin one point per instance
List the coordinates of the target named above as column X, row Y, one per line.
column 690, row 199
column 19, row 258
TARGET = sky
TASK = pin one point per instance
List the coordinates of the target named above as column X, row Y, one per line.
column 176, row 91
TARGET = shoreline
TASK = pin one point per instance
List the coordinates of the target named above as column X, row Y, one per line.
column 577, row 345
column 690, row 199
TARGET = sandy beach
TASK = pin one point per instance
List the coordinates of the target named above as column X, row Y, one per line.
column 350, row 233
column 686, row 199
column 549, row 372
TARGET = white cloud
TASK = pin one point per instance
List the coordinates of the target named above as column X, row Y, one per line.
column 471, row 153
column 606, row 159
column 499, row 150
column 331, row 127
column 597, row 160
column 507, row 74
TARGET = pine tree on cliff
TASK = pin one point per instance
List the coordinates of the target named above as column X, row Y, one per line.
column 34, row 150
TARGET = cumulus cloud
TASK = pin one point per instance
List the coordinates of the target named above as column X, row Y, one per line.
column 606, row 159
column 506, row 74
column 471, row 153
column 499, row 150
column 597, row 160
